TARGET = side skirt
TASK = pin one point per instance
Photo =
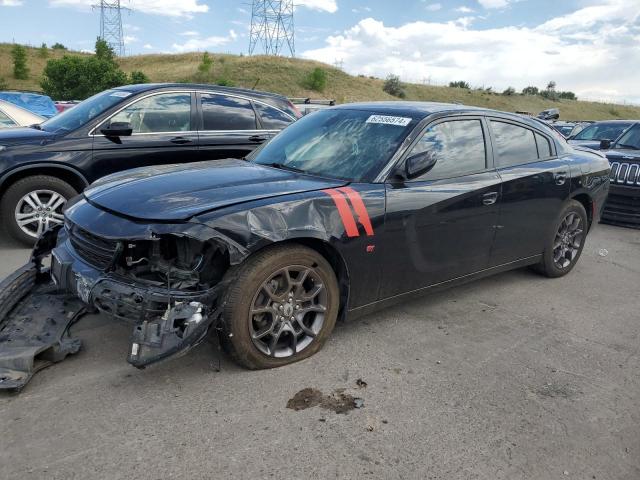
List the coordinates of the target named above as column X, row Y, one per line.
column 438, row 287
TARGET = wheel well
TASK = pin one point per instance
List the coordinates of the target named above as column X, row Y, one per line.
column 72, row 178
column 337, row 263
column 587, row 203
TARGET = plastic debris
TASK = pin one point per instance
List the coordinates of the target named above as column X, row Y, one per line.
column 603, row 252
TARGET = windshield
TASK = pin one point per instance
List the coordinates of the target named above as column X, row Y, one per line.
column 630, row 139
column 85, row 111
column 352, row 145
column 602, row 131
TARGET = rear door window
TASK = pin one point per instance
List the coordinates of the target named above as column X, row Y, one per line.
column 272, row 118
column 544, row 146
column 459, row 148
column 221, row 112
column 514, row 145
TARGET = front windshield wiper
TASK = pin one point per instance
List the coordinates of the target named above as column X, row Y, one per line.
column 632, row 147
column 282, row 166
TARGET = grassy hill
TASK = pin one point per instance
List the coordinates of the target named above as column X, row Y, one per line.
column 287, row 76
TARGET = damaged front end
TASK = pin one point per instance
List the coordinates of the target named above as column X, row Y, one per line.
column 169, row 286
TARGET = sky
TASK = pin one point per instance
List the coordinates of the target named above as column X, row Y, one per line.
column 591, row 47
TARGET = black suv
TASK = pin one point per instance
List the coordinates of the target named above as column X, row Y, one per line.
column 126, row 127
column 623, row 203
column 592, row 135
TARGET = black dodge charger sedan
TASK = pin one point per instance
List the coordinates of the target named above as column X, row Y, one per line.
column 126, row 127
column 345, row 211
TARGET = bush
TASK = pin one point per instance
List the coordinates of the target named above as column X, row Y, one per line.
column 530, row 90
column 206, row 64
column 224, row 82
column 567, row 95
column 76, row 78
column 137, row 76
column 3, row 84
column 509, row 91
column 58, row 46
column 393, row 86
column 316, row 80
column 459, row 84
column 19, row 55
column 43, row 51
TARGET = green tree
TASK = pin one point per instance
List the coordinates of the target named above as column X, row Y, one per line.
column 393, row 86
column 19, row 55
column 43, row 51
column 76, row 78
column 3, row 84
column 567, row 95
column 530, row 90
column 509, row 91
column 316, row 80
column 58, row 46
column 104, row 51
column 137, row 76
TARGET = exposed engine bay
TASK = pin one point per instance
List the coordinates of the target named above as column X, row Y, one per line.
column 168, row 287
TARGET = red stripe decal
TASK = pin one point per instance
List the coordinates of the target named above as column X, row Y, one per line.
column 360, row 209
column 345, row 213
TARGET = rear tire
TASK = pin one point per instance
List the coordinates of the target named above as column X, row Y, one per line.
column 564, row 245
column 20, row 200
column 273, row 318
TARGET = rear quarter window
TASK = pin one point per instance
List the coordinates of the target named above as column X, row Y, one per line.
column 272, row 118
column 514, row 145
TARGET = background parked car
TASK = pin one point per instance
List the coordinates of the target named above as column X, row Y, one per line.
column 13, row 116
column 623, row 203
column 308, row 105
column 62, row 106
column 123, row 128
column 33, row 102
column 592, row 135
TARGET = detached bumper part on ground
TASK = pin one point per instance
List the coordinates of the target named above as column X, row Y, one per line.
column 38, row 306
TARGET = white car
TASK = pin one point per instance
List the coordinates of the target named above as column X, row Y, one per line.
column 13, row 116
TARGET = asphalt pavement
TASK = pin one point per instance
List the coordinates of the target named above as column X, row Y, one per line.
column 512, row 377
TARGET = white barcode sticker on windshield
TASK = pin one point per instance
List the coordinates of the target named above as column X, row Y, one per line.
column 389, row 120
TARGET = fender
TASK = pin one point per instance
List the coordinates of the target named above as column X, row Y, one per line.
column 35, row 166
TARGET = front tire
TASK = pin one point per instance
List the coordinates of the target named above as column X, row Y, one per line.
column 33, row 204
column 281, row 307
column 565, row 244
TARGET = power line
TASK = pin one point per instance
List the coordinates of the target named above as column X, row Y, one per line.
column 272, row 29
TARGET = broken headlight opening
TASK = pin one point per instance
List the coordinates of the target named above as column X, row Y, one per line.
column 169, row 286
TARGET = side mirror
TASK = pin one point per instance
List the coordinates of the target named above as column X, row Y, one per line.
column 605, row 144
column 420, row 163
column 117, row 129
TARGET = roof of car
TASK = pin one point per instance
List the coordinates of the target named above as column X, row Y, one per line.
column 143, row 87
column 613, row 122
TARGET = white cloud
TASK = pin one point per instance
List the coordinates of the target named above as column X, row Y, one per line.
column 579, row 51
column 464, row 9
column 434, row 7
column 11, row 3
column 129, row 39
column 127, row 27
column 190, row 33
column 170, row 8
column 494, row 3
column 323, row 5
column 204, row 43
column 147, row 46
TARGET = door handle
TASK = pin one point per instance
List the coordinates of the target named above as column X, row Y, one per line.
column 257, row 138
column 180, row 140
column 560, row 177
column 489, row 198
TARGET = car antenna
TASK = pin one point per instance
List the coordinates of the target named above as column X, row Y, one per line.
column 255, row 84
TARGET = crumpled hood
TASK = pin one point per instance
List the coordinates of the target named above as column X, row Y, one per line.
column 179, row 192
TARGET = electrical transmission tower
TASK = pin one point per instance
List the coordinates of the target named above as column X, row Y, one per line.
column 272, row 27
column 111, row 25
